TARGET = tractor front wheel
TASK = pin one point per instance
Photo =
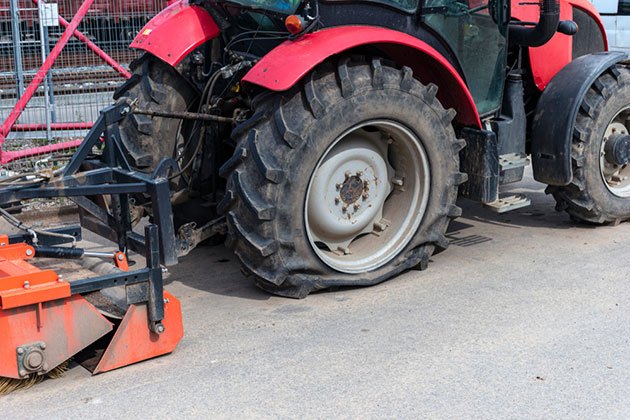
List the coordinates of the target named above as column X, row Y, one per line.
column 600, row 189
column 347, row 180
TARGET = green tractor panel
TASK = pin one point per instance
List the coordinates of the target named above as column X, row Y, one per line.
column 329, row 139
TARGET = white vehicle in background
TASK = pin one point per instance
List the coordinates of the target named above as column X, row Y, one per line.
column 616, row 17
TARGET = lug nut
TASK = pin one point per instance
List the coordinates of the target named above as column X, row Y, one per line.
column 365, row 195
column 338, row 186
column 356, row 206
column 337, row 200
column 344, row 208
column 397, row 181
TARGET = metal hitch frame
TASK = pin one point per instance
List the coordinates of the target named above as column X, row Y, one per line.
column 110, row 174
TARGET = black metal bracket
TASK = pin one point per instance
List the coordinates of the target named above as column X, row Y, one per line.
column 150, row 276
column 46, row 240
column 110, row 175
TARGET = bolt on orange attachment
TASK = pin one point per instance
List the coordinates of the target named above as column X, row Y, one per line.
column 120, row 260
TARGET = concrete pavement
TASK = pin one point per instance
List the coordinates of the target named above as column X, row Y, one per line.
column 525, row 315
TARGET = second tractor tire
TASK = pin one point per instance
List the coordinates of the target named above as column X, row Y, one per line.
column 594, row 194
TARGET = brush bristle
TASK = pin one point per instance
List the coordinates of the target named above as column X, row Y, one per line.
column 9, row 385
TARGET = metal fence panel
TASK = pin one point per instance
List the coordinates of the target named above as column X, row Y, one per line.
column 82, row 76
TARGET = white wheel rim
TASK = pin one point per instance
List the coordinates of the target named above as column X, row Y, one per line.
column 616, row 177
column 367, row 196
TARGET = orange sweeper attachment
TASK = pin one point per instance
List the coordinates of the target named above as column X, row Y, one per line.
column 104, row 322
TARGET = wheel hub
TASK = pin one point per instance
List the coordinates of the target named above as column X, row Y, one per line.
column 615, row 155
column 341, row 205
column 360, row 211
column 353, row 188
column 617, row 149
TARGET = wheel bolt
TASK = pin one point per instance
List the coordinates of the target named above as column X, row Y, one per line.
column 365, row 196
column 356, row 206
column 344, row 208
column 338, row 186
column 397, row 181
column 337, row 200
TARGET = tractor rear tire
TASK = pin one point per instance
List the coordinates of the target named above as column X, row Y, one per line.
column 408, row 166
column 598, row 192
column 154, row 86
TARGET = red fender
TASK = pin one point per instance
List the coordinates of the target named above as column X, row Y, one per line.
column 176, row 31
column 288, row 63
column 560, row 47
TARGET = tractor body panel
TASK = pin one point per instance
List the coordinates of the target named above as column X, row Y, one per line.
column 552, row 129
column 288, row 63
column 562, row 48
column 176, row 31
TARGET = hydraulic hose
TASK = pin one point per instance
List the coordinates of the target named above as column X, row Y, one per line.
column 542, row 32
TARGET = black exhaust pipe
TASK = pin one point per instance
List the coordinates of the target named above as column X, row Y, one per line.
column 542, row 32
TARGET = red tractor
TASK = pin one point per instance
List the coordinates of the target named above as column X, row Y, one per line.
column 329, row 138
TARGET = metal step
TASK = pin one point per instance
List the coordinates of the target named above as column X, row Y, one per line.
column 509, row 203
column 513, row 161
